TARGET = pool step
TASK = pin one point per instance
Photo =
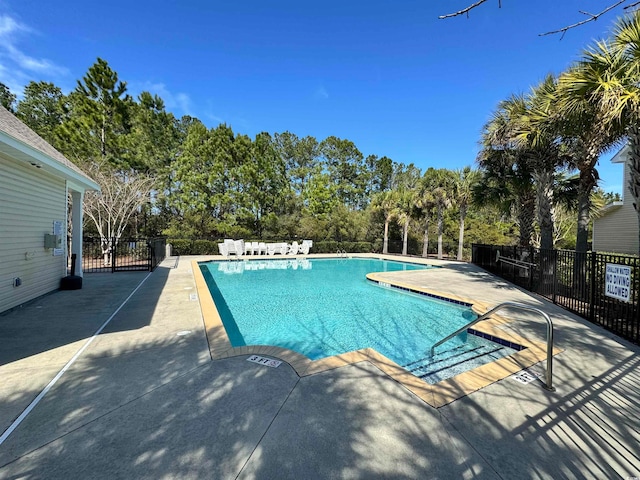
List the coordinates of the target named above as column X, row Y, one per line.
column 449, row 363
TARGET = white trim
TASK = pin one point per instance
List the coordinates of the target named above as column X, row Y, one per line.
column 77, row 226
column 621, row 155
column 21, row 151
column 612, row 206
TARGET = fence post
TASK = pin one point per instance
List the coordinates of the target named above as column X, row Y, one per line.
column 592, row 280
column 531, row 267
column 554, row 282
column 150, row 247
column 113, row 254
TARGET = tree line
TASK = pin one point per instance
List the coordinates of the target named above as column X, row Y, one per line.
column 162, row 175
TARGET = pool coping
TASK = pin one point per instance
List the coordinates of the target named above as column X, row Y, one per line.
column 436, row 395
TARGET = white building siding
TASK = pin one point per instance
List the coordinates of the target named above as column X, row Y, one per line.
column 617, row 231
column 30, row 201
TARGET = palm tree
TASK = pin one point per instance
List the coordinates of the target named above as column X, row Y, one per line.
column 442, row 200
column 402, row 212
column 508, row 177
column 546, row 154
column 587, row 129
column 464, row 182
column 439, row 183
column 424, row 203
column 386, row 203
column 610, row 78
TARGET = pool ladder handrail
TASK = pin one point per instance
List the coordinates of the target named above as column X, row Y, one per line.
column 549, row 373
column 341, row 253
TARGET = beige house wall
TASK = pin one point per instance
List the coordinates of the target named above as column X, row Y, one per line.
column 617, row 230
column 30, row 201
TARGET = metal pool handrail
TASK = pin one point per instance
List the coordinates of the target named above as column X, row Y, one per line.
column 549, row 377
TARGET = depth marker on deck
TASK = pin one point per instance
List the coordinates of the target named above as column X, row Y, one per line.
column 526, row 376
column 264, row 361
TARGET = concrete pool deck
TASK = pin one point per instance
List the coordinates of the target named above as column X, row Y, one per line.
column 144, row 399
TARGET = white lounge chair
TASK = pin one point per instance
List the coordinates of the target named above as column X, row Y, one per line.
column 231, row 246
column 283, row 248
column 262, row 248
column 304, row 248
column 293, row 249
column 223, row 249
column 239, row 247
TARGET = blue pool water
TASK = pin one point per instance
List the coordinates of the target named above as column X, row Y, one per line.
column 325, row 307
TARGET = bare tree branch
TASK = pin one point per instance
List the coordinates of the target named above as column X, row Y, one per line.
column 464, row 10
column 591, row 16
column 121, row 194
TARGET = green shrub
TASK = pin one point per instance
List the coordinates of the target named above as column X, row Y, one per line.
column 204, row 247
column 180, row 246
column 363, row 247
column 331, row 246
column 327, row 246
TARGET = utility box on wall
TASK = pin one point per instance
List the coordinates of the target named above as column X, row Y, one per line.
column 52, row 241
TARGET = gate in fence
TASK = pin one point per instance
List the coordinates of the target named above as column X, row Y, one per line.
column 122, row 254
column 603, row 288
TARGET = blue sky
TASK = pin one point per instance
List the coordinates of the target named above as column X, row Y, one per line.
column 389, row 76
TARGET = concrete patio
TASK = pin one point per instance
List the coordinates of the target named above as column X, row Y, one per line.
column 144, row 399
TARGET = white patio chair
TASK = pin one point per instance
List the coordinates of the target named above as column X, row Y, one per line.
column 293, row 249
column 223, row 249
column 262, row 248
column 255, row 248
column 239, row 247
column 271, row 248
column 304, row 248
column 282, row 249
column 231, row 246
column 248, row 248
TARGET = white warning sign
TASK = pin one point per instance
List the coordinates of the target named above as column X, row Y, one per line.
column 618, row 282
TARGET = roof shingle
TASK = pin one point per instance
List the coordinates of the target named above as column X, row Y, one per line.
column 13, row 127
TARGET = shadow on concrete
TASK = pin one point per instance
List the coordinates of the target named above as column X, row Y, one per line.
column 234, row 419
column 478, row 274
column 355, row 422
column 591, row 432
column 161, row 408
column 228, row 419
column 66, row 316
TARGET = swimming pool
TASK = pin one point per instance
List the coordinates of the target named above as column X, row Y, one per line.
column 326, row 307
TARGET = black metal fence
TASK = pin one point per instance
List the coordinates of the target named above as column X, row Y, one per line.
column 603, row 288
column 122, row 254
